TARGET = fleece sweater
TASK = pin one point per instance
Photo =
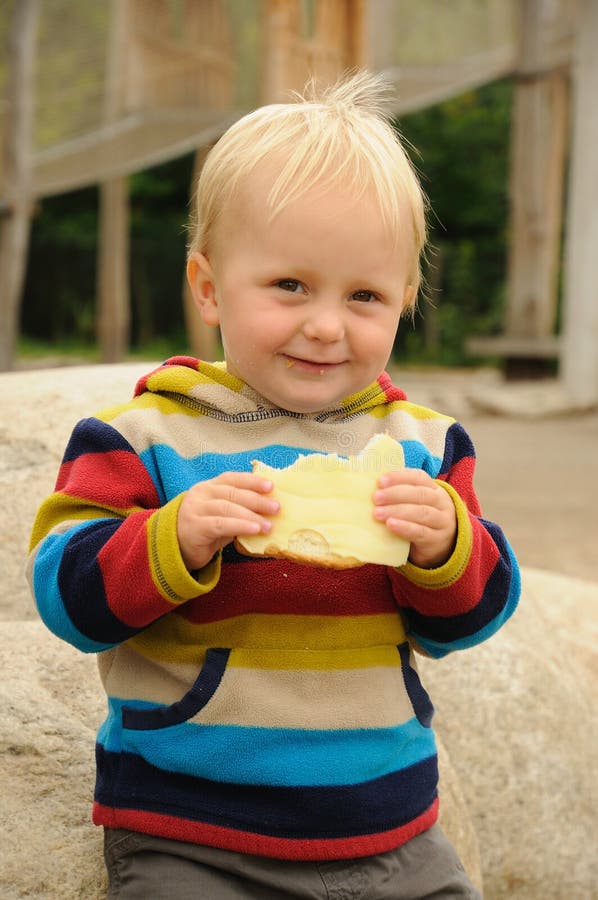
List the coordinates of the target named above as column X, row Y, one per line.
column 258, row 705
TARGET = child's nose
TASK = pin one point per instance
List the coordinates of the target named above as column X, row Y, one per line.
column 324, row 324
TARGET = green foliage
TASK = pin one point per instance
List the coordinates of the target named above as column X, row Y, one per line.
column 60, row 288
column 58, row 301
column 159, row 216
column 461, row 151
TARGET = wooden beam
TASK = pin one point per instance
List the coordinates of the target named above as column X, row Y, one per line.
column 579, row 364
column 113, row 301
column 16, row 172
column 539, row 130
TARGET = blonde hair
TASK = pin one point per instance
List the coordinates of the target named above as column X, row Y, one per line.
column 340, row 135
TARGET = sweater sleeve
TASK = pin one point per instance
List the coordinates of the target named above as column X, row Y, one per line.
column 466, row 600
column 104, row 559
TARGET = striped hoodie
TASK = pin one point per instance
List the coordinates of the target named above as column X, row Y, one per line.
column 257, row 705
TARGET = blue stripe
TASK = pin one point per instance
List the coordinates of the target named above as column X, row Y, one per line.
column 172, row 473
column 127, row 781
column 271, row 756
column 48, row 595
column 417, row 456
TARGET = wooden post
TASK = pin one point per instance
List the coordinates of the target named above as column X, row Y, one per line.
column 579, row 361
column 113, row 312
column 538, row 151
column 16, row 174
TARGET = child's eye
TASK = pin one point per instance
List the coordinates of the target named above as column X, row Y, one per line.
column 290, row 285
column 364, row 296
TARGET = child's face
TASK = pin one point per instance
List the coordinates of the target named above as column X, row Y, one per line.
column 309, row 303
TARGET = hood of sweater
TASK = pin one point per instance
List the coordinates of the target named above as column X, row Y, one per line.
column 218, row 393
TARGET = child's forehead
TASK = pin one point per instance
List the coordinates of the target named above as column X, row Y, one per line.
column 268, row 191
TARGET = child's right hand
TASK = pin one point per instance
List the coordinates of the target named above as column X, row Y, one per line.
column 214, row 512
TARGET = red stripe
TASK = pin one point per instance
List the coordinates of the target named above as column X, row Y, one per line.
column 279, row 587
column 115, row 478
column 460, row 596
column 180, row 829
column 460, row 478
column 391, row 391
column 128, row 585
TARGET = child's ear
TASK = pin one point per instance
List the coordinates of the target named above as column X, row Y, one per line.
column 203, row 287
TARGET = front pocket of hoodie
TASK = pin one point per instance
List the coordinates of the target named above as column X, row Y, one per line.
column 204, row 688
column 286, row 717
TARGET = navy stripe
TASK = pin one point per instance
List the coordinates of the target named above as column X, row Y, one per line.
column 457, row 446
column 422, row 705
column 304, row 812
column 93, row 436
column 81, row 585
column 447, row 629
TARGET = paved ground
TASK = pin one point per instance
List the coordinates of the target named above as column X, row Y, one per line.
column 536, row 476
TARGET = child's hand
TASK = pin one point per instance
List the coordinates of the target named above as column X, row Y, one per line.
column 417, row 509
column 214, row 512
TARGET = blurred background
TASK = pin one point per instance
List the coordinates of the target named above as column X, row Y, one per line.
column 107, row 108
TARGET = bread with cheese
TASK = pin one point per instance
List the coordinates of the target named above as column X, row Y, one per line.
column 326, row 509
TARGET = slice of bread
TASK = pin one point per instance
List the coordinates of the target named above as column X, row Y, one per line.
column 326, row 509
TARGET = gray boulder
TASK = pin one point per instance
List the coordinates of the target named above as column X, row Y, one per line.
column 51, row 704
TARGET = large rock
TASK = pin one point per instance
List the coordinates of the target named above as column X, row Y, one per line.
column 51, row 703
column 39, row 411
column 518, row 717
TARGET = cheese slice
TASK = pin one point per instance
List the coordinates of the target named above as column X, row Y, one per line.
column 326, row 509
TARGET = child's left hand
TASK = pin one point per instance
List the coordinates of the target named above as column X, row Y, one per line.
column 415, row 508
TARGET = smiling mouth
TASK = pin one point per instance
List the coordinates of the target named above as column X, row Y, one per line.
column 311, row 365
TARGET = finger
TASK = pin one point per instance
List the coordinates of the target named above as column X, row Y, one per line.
column 248, row 480
column 404, row 476
column 237, row 497
column 410, row 495
column 218, row 512
column 419, row 520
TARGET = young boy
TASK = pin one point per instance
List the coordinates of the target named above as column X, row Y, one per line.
column 267, row 732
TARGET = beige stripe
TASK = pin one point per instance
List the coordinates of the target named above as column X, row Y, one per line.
column 374, row 698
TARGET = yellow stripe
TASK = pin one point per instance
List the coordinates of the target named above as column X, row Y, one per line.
column 145, row 404
column 58, row 508
column 175, row 639
column 410, row 409
column 313, row 660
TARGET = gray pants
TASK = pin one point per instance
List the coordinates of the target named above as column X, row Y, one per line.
column 142, row 867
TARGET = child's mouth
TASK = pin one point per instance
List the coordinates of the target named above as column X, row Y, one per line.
column 309, row 365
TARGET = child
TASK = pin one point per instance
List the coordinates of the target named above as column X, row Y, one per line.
column 267, row 732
